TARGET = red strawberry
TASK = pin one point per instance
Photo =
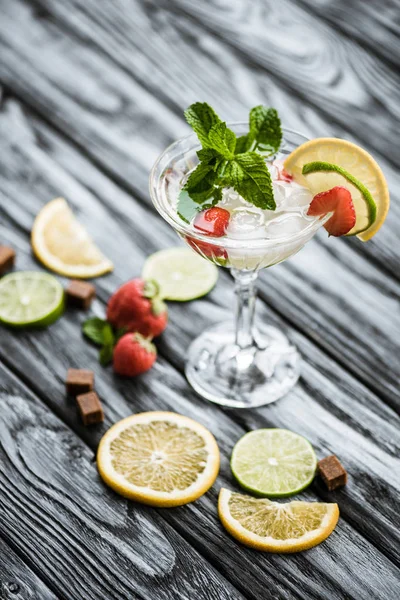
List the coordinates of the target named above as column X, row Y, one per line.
column 283, row 175
column 211, row 251
column 337, row 200
column 213, row 221
column 137, row 306
column 133, row 355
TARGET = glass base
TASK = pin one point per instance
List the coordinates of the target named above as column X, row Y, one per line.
column 221, row 372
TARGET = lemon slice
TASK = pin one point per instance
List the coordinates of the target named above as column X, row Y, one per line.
column 159, row 458
column 354, row 160
column 63, row 245
column 275, row 526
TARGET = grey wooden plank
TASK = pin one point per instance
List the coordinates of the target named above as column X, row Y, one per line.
column 17, row 580
column 83, row 538
column 130, row 155
column 374, row 24
column 335, row 75
column 377, row 422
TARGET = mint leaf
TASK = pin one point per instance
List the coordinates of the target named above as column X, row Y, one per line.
column 105, row 355
column 265, row 127
column 222, row 139
column 243, row 143
column 93, row 329
column 106, row 352
column 249, row 176
column 207, row 154
column 197, row 179
column 201, row 117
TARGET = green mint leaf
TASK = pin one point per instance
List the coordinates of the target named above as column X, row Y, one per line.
column 93, row 329
column 187, row 208
column 222, row 139
column 106, row 354
column 265, row 127
column 249, row 176
column 243, row 143
column 201, row 117
column 207, row 154
column 198, row 179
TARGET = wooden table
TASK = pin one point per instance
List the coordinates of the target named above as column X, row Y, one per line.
column 92, row 91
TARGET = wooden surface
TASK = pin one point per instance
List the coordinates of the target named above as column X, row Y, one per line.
column 91, row 92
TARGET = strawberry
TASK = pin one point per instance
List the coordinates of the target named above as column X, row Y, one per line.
column 213, row 221
column 134, row 354
column 337, row 200
column 283, row 175
column 137, row 306
column 207, row 250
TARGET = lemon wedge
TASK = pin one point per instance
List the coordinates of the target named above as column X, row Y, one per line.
column 276, row 526
column 63, row 245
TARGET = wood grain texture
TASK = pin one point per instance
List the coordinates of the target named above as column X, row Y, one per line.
column 17, row 580
column 335, row 75
column 84, row 538
column 120, row 150
column 165, row 389
column 374, row 24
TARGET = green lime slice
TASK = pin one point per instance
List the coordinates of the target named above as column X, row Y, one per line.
column 364, row 204
column 181, row 274
column 30, row 298
column 273, row 462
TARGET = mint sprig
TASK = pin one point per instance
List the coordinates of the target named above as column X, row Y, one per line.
column 230, row 161
column 101, row 333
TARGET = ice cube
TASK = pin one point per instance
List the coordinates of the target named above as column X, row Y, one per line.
column 297, row 196
column 246, row 223
column 231, row 200
column 285, row 225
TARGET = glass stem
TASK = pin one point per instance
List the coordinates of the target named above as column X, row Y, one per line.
column 245, row 291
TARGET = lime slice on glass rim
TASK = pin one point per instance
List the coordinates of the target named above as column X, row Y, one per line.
column 273, row 462
column 30, row 298
column 181, row 274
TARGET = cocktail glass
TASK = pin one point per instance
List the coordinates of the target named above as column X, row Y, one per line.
column 236, row 364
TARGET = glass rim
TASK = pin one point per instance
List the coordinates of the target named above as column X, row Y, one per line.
column 185, row 229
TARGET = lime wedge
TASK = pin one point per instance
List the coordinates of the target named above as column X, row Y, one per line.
column 273, row 462
column 30, row 298
column 364, row 204
column 181, row 274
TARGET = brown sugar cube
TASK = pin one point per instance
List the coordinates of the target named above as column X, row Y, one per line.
column 332, row 472
column 79, row 381
column 80, row 293
column 7, row 259
column 90, row 408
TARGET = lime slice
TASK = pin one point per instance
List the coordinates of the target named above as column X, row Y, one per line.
column 364, row 203
column 273, row 462
column 181, row 274
column 30, row 298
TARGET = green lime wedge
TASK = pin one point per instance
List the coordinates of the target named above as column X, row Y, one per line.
column 181, row 274
column 364, row 204
column 273, row 462
column 30, row 298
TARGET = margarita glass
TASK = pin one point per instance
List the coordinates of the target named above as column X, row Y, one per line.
column 237, row 364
